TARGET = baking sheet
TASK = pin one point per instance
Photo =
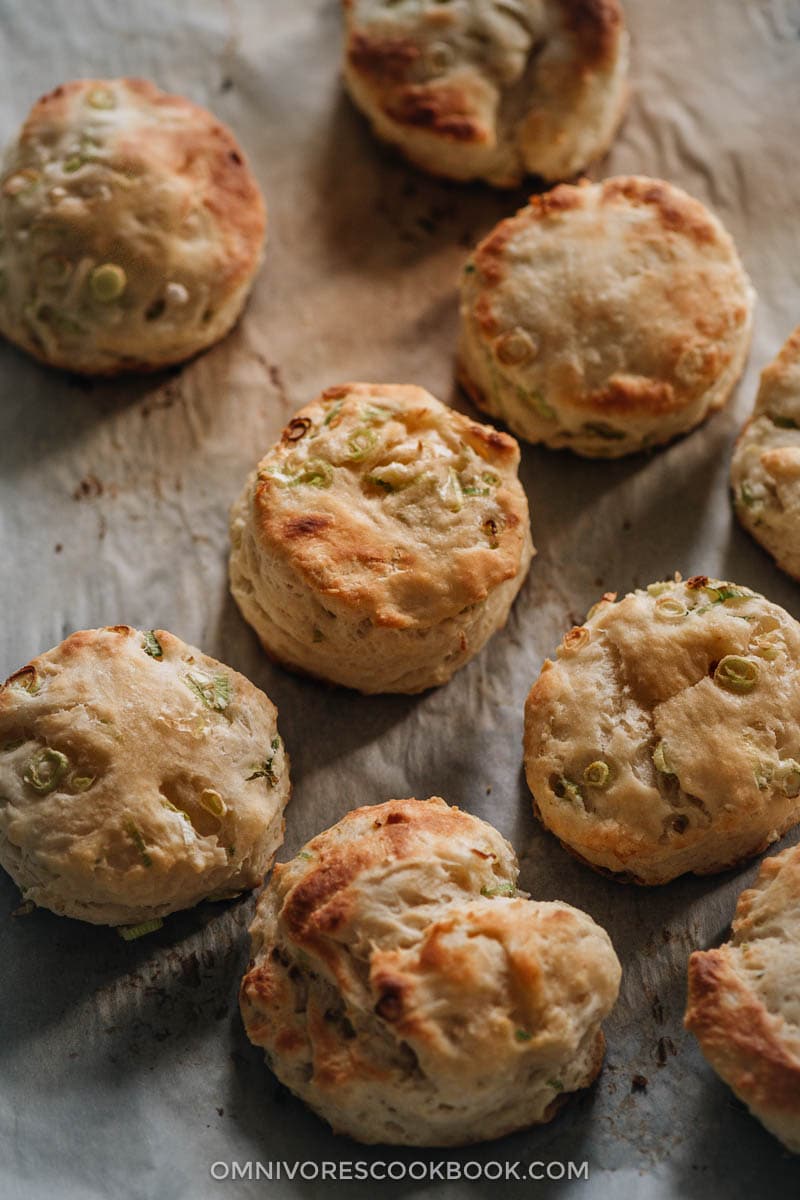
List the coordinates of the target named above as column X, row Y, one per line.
column 124, row 1069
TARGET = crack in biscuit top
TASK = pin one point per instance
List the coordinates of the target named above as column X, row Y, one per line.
column 382, row 498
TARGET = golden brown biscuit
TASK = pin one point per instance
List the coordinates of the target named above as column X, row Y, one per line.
column 137, row 776
column 605, row 317
column 765, row 471
column 665, row 737
column 479, row 90
column 405, row 990
column 130, row 229
column 744, row 999
column 382, row 541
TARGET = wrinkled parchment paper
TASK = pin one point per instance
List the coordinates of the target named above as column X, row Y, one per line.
column 124, row 1069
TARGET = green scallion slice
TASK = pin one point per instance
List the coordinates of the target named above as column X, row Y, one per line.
column 501, row 889
column 215, row 693
column 45, row 770
column 130, row 933
column 152, row 645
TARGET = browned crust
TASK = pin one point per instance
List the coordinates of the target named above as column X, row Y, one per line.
column 344, row 554
column 306, row 525
column 204, row 149
column 634, row 394
column 677, row 212
column 316, row 907
column 658, row 389
column 384, row 58
column 441, row 109
column 740, row 1038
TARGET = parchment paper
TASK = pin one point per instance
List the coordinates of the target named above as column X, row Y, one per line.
column 124, row 1068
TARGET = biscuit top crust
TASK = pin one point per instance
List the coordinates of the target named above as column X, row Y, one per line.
column 387, row 501
column 621, row 298
column 506, row 79
column 123, row 205
column 406, row 915
column 766, row 464
column 744, row 998
column 672, row 710
column 133, row 762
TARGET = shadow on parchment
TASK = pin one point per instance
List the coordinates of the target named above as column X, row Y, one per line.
column 50, row 409
column 378, row 213
column 139, row 999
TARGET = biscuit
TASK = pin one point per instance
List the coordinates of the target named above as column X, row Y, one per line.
column 406, row 991
column 604, row 317
column 490, row 91
column 665, row 738
column 382, row 541
column 131, row 229
column 744, row 999
column 137, row 776
column 765, row 471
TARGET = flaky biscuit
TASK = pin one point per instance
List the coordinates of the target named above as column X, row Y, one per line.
column 478, row 90
column 382, row 541
column 765, row 471
column 605, row 317
column 665, row 738
column 403, row 988
column 131, row 229
column 744, row 999
column 137, row 776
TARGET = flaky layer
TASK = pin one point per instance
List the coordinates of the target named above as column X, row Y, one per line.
column 403, row 988
column 744, row 999
column 382, row 541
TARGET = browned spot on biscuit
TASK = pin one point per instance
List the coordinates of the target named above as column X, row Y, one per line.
column 633, row 393
column 306, row 525
column 386, row 58
column 88, row 488
column 289, row 1040
column 316, row 889
column 677, row 213
column 339, row 392
column 492, row 248
column 441, row 108
column 493, row 439
column 558, row 200
column 390, row 1001
column 484, row 314
column 297, row 428
column 259, row 986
